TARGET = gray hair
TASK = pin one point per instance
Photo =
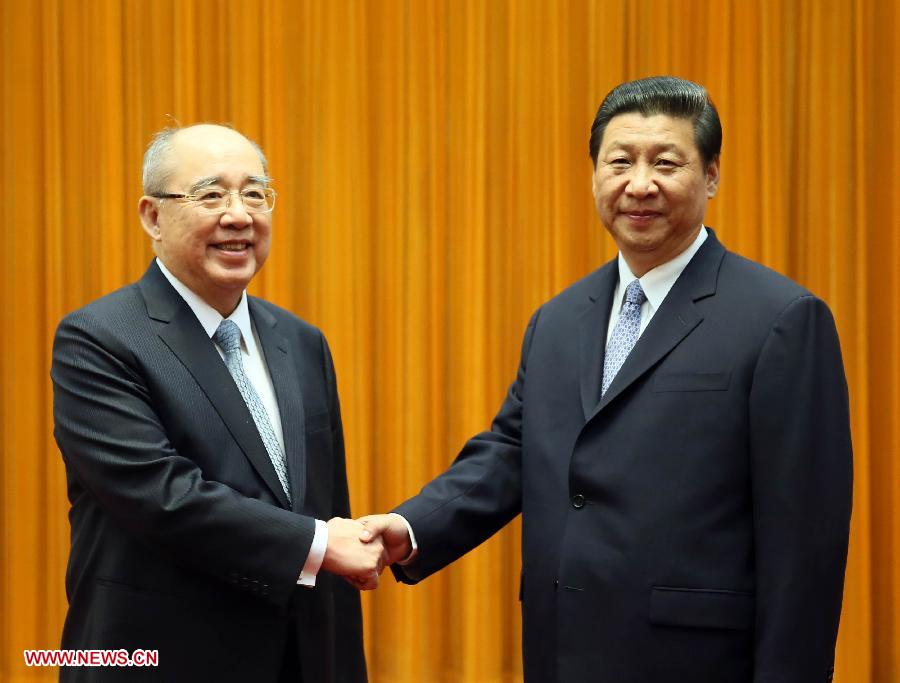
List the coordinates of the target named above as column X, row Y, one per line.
column 157, row 168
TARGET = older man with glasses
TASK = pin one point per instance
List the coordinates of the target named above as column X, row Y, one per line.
column 201, row 433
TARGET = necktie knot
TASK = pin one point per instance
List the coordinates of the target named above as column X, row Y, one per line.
column 228, row 336
column 634, row 294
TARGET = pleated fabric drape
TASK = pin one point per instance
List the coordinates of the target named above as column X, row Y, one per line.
column 434, row 188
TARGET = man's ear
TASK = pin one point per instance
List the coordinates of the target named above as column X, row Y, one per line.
column 712, row 178
column 148, row 209
column 595, row 182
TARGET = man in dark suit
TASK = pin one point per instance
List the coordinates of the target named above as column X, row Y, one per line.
column 201, row 434
column 677, row 441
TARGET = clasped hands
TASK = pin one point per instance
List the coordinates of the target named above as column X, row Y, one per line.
column 360, row 549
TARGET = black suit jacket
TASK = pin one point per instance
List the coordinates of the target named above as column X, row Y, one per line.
column 182, row 537
column 692, row 524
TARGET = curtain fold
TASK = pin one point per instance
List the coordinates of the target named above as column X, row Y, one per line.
column 434, row 188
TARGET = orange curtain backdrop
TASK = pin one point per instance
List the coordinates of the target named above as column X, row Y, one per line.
column 434, row 188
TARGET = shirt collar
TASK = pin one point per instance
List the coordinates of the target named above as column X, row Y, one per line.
column 657, row 282
column 208, row 316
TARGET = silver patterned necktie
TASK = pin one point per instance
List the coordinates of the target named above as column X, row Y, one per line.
column 625, row 334
column 228, row 337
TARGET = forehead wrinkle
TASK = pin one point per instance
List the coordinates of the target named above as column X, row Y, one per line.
column 637, row 127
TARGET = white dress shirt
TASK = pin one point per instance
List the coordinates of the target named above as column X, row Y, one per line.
column 258, row 374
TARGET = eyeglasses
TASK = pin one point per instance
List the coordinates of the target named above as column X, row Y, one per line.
column 216, row 200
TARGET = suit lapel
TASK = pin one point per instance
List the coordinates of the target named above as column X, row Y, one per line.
column 675, row 319
column 592, row 326
column 186, row 338
column 277, row 354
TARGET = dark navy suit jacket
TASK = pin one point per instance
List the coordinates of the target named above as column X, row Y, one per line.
column 182, row 537
column 692, row 524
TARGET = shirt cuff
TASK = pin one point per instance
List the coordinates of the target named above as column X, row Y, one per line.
column 315, row 556
column 412, row 541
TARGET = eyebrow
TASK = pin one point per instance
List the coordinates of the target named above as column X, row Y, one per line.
column 205, row 182
column 217, row 180
column 658, row 147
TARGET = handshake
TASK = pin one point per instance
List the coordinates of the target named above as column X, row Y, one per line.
column 359, row 550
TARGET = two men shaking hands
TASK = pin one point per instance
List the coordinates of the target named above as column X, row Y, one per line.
column 676, row 439
column 359, row 550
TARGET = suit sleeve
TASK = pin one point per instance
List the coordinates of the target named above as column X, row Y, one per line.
column 480, row 492
column 341, row 497
column 116, row 448
column 347, row 606
column 801, row 466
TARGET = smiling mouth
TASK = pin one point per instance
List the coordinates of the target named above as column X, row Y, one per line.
column 641, row 217
column 232, row 247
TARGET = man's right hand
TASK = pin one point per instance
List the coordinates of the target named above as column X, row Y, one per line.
column 393, row 533
column 360, row 563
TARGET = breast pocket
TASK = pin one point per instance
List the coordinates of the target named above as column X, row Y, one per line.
column 318, row 422
column 691, row 381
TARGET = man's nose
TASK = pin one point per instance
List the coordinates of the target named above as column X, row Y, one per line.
column 235, row 212
column 642, row 181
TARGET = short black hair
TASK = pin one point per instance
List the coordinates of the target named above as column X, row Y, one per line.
column 667, row 95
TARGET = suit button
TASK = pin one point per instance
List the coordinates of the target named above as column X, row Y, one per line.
column 577, row 501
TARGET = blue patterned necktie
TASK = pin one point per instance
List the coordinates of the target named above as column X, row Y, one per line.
column 228, row 337
column 625, row 333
